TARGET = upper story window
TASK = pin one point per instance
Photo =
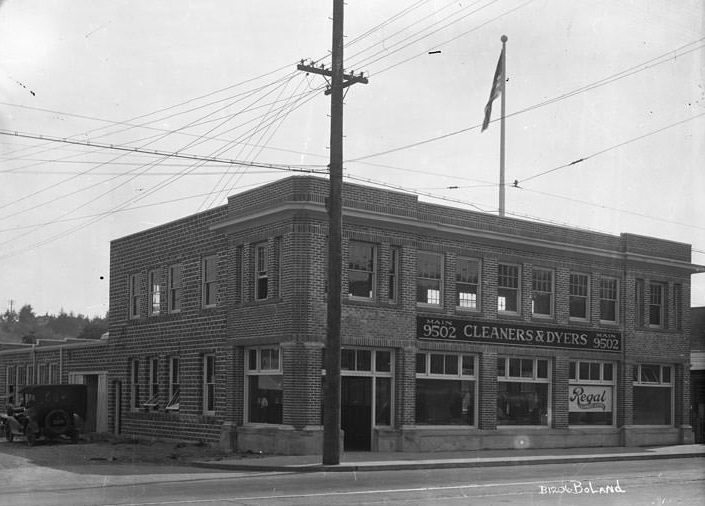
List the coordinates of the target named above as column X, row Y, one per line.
column 678, row 306
column 467, row 284
column 261, row 272
column 579, row 296
column 429, row 275
column 393, row 275
column 210, row 280
column 508, row 288
column 656, row 306
column 542, row 292
column 361, row 270
column 135, row 296
column 175, row 288
column 608, row 299
column 155, row 293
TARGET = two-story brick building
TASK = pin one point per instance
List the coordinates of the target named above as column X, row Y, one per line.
column 460, row 330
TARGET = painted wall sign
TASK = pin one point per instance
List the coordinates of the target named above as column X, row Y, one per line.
column 456, row 329
column 590, row 398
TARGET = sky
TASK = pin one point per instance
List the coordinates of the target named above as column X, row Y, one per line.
column 119, row 116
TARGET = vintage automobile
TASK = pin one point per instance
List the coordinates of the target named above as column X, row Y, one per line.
column 48, row 412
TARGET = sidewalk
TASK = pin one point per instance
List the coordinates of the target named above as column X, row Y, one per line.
column 372, row 461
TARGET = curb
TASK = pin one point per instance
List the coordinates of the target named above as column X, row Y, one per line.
column 442, row 464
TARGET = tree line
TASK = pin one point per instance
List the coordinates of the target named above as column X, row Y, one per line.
column 26, row 327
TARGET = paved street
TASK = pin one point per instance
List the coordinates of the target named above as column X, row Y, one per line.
column 670, row 481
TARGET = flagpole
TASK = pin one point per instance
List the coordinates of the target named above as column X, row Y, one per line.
column 501, row 129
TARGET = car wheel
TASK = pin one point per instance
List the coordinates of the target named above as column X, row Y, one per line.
column 9, row 436
column 30, row 436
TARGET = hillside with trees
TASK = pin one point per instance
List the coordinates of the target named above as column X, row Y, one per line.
column 26, row 327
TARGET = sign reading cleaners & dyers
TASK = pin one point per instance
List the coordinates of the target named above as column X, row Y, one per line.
column 455, row 329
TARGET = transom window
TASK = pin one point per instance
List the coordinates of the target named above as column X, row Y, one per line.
column 361, row 270
column 428, row 278
column 467, row 284
column 608, row 299
column 542, row 292
column 508, row 288
column 578, row 296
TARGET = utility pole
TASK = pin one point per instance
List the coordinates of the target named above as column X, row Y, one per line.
column 339, row 81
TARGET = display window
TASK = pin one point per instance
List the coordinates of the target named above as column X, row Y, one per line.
column 523, row 391
column 591, row 393
column 445, row 389
column 264, row 386
column 653, row 394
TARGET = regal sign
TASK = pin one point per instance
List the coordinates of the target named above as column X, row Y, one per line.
column 589, row 398
column 456, row 329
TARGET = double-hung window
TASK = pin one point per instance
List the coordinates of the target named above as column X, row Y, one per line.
column 155, row 293
column 175, row 288
column 361, row 270
column 393, row 275
column 261, row 272
column 578, row 296
column 264, row 381
column 653, row 394
column 608, row 299
column 174, row 403
column 591, row 393
column 209, row 384
column 508, row 288
column 153, row 385
column 656, row 306
column 134, row 384
column 467, row 284
column 445, row 389
column 542, row 292
column 429, row 275
column 135, row 296
column 210, row 280
column 522, row 391
column 11, row 384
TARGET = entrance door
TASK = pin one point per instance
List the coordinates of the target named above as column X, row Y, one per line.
column 356, row 412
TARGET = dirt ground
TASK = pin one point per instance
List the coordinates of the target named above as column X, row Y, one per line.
column 114, row 449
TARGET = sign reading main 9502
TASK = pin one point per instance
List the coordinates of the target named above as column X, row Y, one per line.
column 454, row 329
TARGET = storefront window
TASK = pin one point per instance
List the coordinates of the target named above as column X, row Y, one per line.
column 591, row 393
column 522, row 391
column 264, row 386
column 653, row 395
column 445, row 389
